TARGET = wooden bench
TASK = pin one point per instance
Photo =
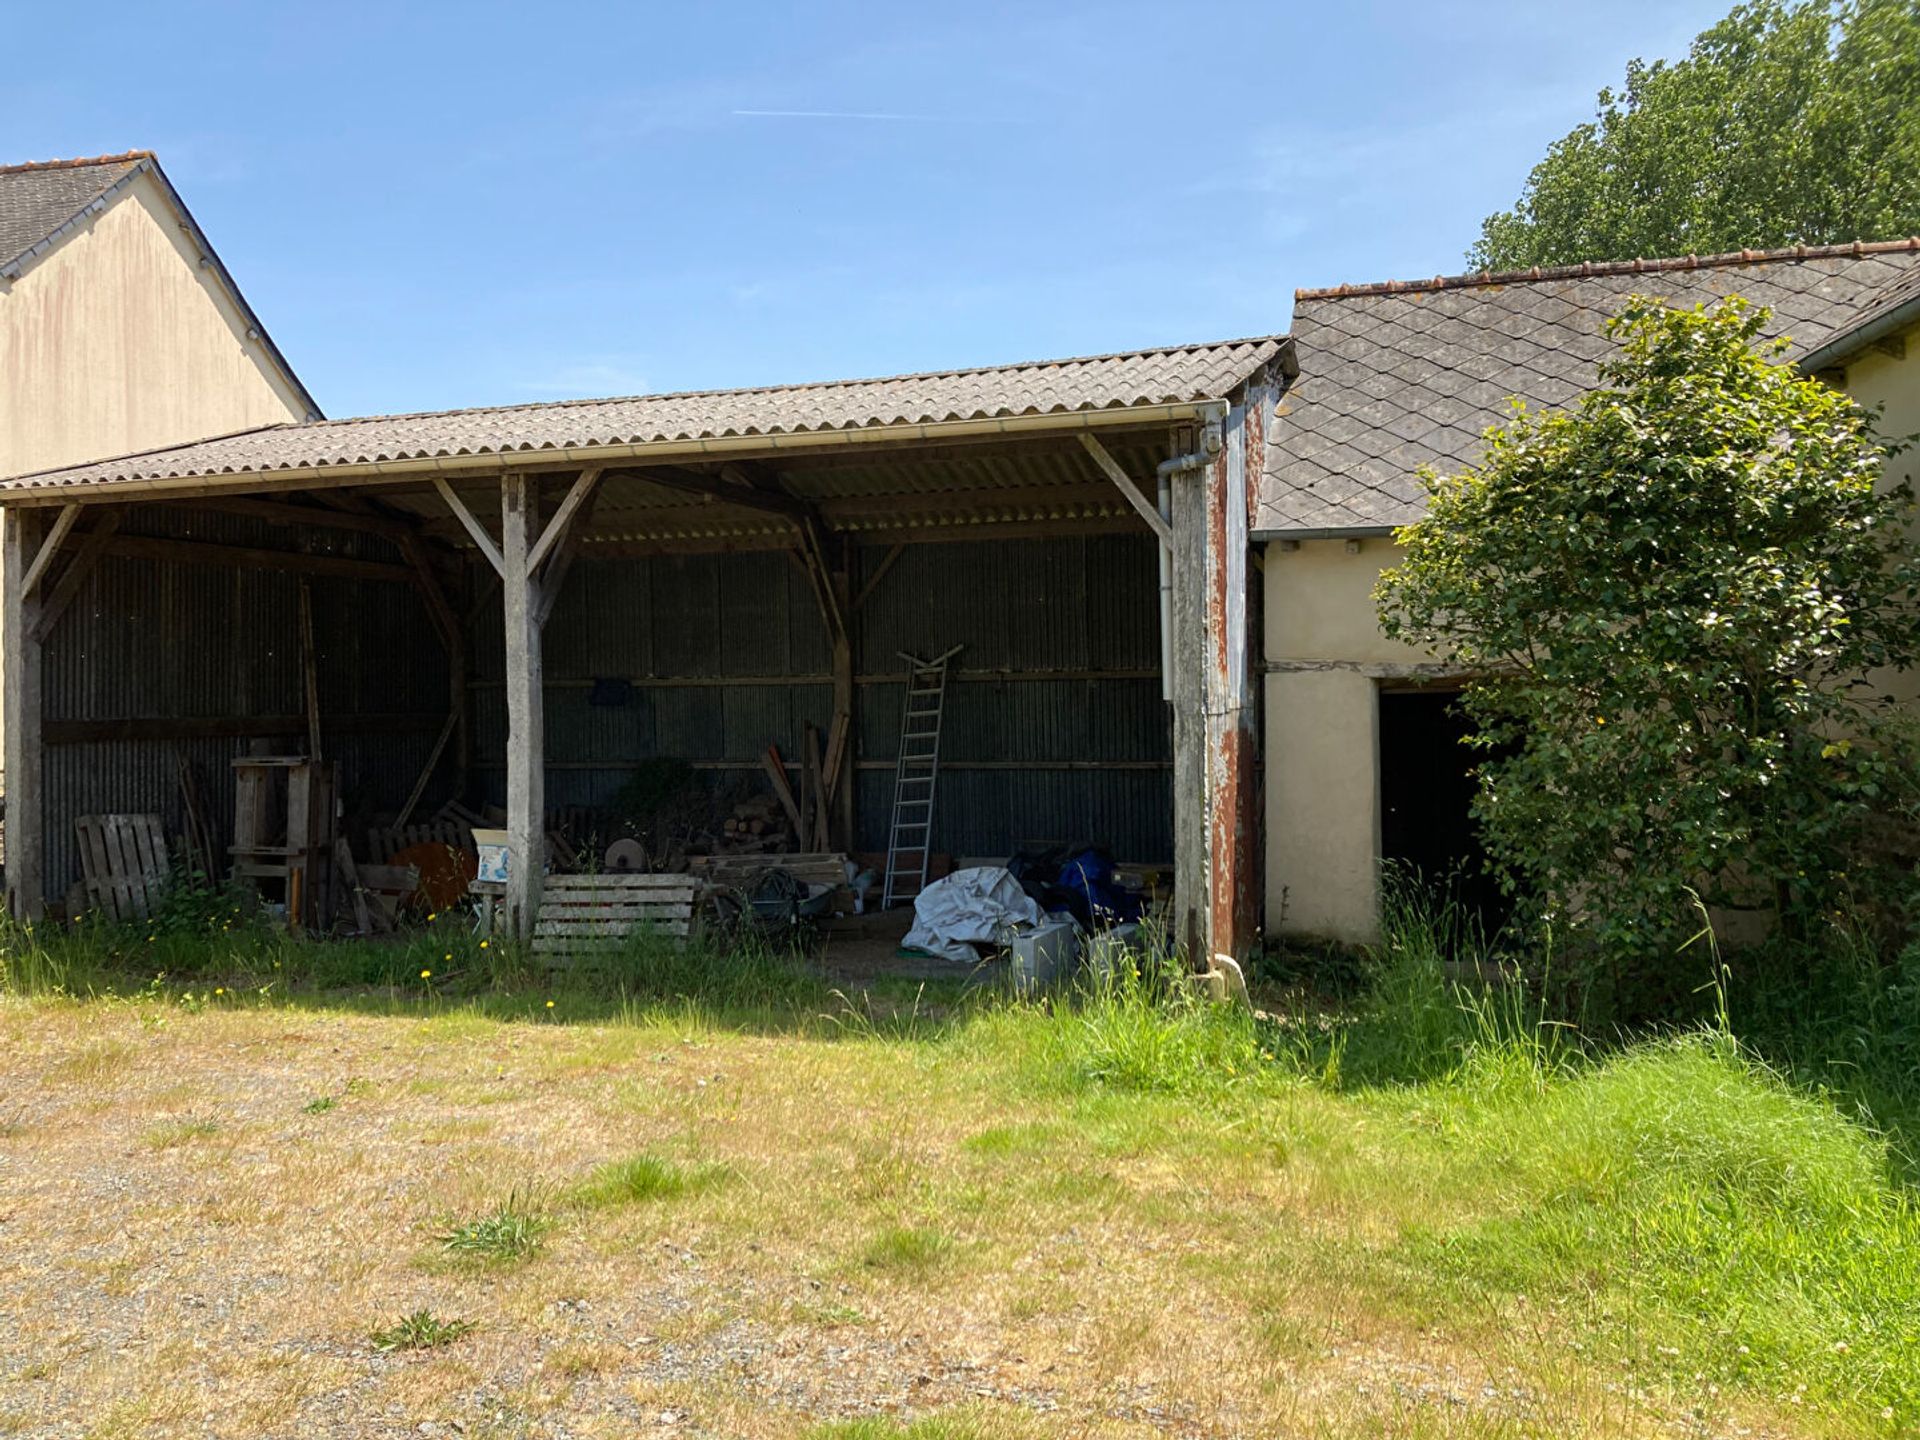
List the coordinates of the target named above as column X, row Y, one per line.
column 594, row 915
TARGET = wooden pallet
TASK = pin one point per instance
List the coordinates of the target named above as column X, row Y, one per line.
column 123, row 862
column 591, row 915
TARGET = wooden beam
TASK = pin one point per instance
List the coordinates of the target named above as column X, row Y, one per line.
column 280, row 512
column 49, row 547
column 553, row 582
column 230, row 727
column 453, row 639
column 247, row 557
column 1124, row 483
column 473, row 527
column 846, row 512
column 67, row 588
column 426, row 770
column 747, row 497
column 310, row 668
column 563, row 517
column 841, row 798
column 526, row 741
column 20, row 675
column 874, row 577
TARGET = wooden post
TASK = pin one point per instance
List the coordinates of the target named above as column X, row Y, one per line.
column 21, row 530
column 1187, row 655
column 1232, row 736
column 846, row 695
column 526, row 744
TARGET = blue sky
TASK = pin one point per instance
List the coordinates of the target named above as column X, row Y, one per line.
column 443, row 205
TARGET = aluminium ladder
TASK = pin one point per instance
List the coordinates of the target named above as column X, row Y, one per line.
column 910, row 837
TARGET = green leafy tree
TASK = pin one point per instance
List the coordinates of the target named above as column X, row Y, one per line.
column 1785, row 124
column 1671, row 594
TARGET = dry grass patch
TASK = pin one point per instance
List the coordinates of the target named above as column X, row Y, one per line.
column 826, row 1232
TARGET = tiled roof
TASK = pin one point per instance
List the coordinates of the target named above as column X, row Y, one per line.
column 1410, row 373
column 38, row 198
column 1089, row 384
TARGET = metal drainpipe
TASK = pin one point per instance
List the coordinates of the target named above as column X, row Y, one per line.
column 1211, row 443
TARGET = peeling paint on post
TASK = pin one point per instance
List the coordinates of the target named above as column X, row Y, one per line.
column 1232, row 781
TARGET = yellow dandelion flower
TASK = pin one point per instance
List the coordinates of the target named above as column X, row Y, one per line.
column 219, row 989
column 433, row 915
column 426, row 974
column 483, row 944
column 549, row 1004
column 447, row 956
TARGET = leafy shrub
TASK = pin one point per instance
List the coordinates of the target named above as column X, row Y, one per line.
column 1668, row 595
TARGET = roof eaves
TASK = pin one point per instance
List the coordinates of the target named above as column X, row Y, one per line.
column 1871, row 329
column 1323, row 532
column 375, row 468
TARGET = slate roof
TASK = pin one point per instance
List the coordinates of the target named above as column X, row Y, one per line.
column 1398, row 375
column 1092, row 384
column 36, row 200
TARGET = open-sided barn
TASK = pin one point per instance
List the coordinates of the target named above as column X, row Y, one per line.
column 1153, row 570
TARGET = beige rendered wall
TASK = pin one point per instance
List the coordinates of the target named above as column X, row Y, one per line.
column 1891, row 382
column 118, row 341
column 1326, row 658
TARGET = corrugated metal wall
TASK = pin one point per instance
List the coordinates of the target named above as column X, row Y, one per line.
column 148, row 639
column 726, row 653
column 1055, row 730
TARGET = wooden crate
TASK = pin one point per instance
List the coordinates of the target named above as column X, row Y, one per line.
column 586, row 915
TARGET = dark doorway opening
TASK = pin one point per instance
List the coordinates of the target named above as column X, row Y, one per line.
column 1426, row 796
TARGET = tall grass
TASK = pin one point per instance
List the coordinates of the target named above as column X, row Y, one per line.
column 1137, row 1024
column 1692, row 1207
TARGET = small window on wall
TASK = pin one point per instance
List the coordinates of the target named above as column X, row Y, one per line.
column 1426, row 798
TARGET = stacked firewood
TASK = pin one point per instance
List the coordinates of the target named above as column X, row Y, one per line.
column 757, row 825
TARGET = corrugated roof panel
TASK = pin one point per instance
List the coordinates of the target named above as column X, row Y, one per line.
column 1101, row 384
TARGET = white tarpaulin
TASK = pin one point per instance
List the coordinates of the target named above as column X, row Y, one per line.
column 982, row 904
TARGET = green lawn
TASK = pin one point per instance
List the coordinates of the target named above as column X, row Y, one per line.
column 307, row 1189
